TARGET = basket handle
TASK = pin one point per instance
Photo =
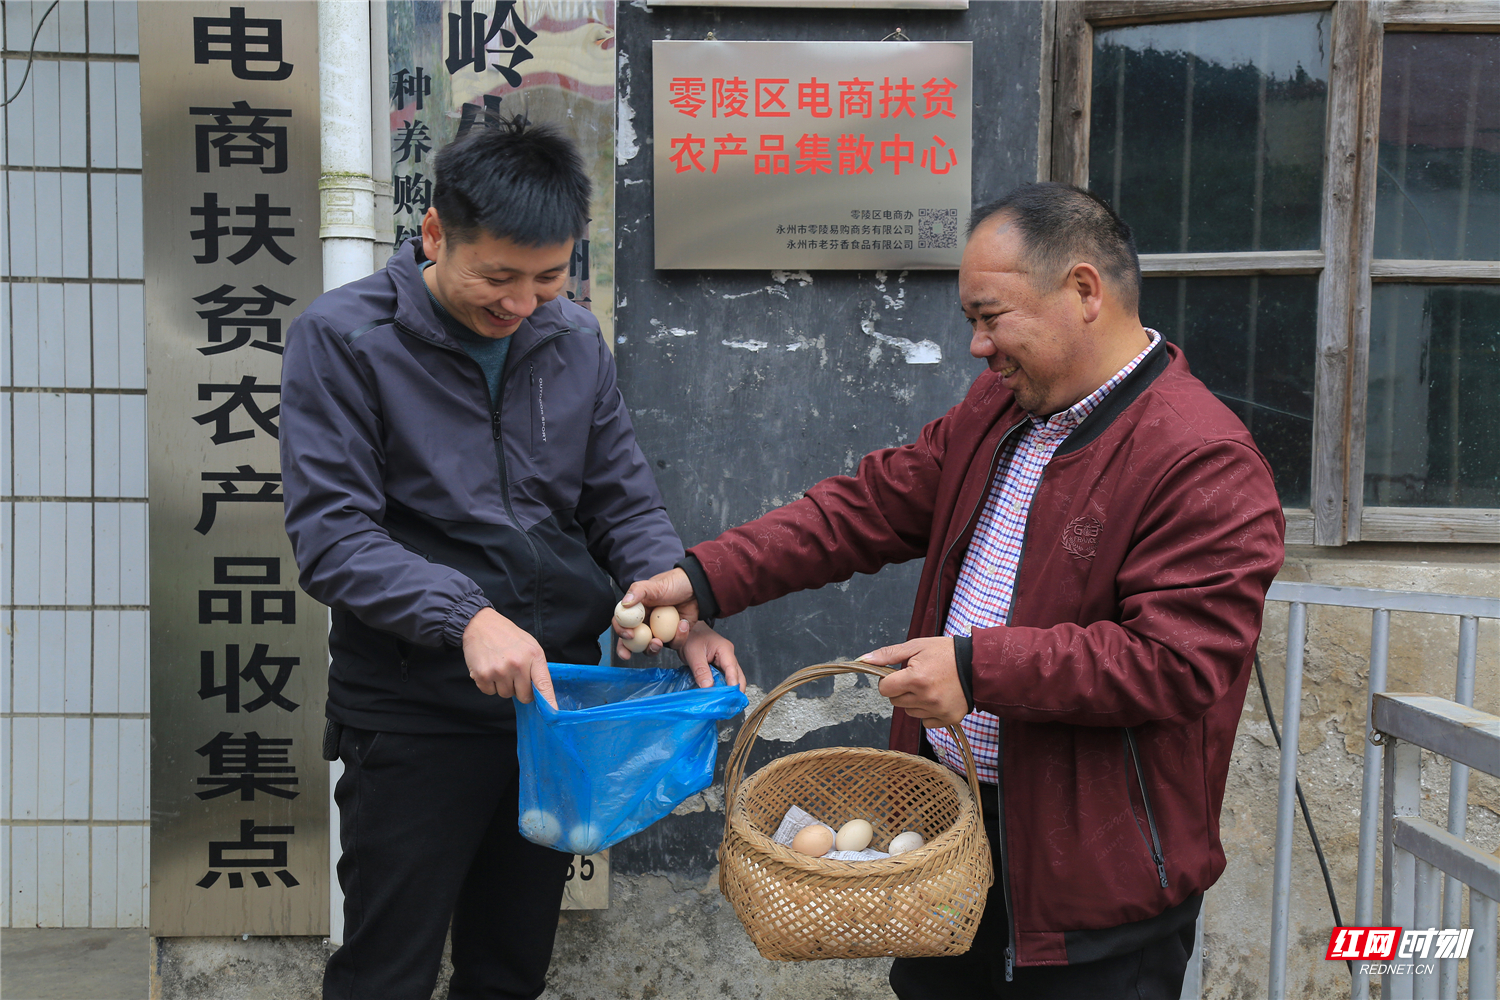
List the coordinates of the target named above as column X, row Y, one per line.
column 734, row 768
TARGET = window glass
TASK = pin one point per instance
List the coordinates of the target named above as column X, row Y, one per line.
column 1208, row 135
column 1432, row 436
column 1251, row 340
column 1438, row 192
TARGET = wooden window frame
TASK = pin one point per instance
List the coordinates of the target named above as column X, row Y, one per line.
column 1343, row 264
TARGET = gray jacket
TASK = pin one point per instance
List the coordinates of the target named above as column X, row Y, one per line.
column 413, row 499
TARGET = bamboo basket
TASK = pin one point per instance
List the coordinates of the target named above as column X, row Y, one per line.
column 922, row 903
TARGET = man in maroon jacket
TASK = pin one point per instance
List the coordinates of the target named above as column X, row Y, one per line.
column 1099, row 534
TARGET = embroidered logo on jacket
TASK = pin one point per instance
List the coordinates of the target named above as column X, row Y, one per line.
column 1081, row 536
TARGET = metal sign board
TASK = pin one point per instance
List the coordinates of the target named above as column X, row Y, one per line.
column 831, row 155
column 239, row 792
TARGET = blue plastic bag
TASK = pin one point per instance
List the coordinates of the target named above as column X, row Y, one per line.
column 623, row 748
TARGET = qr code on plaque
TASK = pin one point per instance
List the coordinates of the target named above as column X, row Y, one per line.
column 937, row 228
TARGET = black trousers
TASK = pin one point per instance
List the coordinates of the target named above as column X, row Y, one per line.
column 428, row 832
column 1155, row 972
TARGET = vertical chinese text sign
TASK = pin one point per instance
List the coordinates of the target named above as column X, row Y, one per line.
column 239, row 792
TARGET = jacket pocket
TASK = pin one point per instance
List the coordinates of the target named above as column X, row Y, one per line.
column 1153, row 845
column 355, row 745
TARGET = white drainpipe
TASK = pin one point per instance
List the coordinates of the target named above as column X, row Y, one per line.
column 346, row 204
column 346, row 189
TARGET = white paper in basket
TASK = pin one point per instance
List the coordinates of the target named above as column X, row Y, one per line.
column 797, row 818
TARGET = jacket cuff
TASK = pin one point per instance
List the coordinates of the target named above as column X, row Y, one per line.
column 703, row 593
column 460, row 615
column 963, row 653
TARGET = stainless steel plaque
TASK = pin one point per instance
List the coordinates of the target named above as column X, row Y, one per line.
column 239, row 792
column 831, row 155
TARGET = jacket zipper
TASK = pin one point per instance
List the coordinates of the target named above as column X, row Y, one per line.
column 536, row 557
column 495, row 406
column 999, row 762
column 499, row 403
column 1010, row 918
column 1155, row 845
column 1010, row 941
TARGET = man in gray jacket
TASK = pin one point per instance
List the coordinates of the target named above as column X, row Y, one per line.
column 464, row 490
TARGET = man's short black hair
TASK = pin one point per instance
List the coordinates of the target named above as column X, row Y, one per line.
column 515, row 181
column 1061, row 225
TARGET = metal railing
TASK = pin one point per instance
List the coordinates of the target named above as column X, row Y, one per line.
column 1416, row 850
column 1380, row 603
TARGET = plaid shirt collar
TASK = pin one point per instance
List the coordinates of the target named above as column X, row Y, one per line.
column 1067, row 420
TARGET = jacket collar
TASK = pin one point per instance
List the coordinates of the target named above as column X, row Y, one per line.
column 1121, row 396
column 415, row 315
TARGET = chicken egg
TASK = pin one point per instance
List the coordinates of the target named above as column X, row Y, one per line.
column 540, row 827
column 908, row 841
column 640, row 638
column 815, row 840
column 664, row 623
column 585, row 838
column 854, row 835
column 630, row 617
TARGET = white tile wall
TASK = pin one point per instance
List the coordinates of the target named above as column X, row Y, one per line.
column 5, row 756
column 25, row 691
column 71, row 27
column 77, row 767
column 49, row 335
column 74, row 737
column 49, row 876
column 77, row 354
column 106, row 781
column 24, row 358
column 49, row 767
column 51, row 642
column 5, row 920
column 75, row 876
column 103, row 908
column 26, row 463
column 102, row 114
column 23, row 876
column 106, row 256
column 132, row 337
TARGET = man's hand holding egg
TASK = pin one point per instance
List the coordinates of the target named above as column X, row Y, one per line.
column 664, row 592
column 662, row 611
column 644, row 629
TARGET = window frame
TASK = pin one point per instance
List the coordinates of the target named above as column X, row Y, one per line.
column 1344, row 265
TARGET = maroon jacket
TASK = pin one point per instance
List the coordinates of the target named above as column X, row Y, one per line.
column 1151, row 541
